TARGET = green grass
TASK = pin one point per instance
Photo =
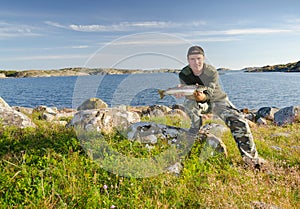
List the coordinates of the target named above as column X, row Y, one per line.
column 46, row 167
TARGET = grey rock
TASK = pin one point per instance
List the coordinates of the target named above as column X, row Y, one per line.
column 281, row 135
column 296, row 147
column 45, row 109
column 276, row 148
column 92, row 103
column 213, row 145
column 48, row 117
column 144, row 131
column 216, row 129
column 287, row 115
column 156, row 111
column 26, row 110
column 261, row 121
column 262, row 205
column 175, row 169
column 11, row 117
column 267, row 113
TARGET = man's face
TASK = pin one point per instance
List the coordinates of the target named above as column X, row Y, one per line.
column 196, row 62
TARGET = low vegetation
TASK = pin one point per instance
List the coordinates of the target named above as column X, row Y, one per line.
column 47, row 167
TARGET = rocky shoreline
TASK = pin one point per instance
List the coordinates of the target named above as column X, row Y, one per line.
column 96, row 113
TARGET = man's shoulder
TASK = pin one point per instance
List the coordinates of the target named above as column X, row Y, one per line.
column 209, row 69
column 186, row 71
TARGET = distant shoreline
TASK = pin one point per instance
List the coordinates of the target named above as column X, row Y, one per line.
column 80, row 71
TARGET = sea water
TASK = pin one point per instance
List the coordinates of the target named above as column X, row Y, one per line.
column 245, row 90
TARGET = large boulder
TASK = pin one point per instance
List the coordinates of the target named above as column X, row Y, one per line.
column 11, row 117
column 287, row 115
column 150, row 132
column 103, row 120
column 92, row 103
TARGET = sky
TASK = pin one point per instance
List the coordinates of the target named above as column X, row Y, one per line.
column 156, row 34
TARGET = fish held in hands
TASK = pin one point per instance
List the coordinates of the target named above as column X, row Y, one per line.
column 185, row 90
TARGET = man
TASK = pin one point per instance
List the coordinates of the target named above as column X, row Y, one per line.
column 215, row 100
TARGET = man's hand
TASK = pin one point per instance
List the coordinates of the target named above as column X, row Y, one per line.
column 199, row 96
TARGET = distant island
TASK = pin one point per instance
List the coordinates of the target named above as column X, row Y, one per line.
column 290, row 67
column 80, row 71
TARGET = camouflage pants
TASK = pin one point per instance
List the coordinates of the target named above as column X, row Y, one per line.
column 231, row 116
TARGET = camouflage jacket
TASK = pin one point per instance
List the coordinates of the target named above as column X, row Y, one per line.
column 209, row 78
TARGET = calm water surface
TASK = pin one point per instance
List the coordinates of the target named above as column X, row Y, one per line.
column 251, row 90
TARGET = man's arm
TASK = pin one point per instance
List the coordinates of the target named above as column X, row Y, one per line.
column 210, row 78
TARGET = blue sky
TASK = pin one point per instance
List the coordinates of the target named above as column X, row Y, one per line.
column 37, row 34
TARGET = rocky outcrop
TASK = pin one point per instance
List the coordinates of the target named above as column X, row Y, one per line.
column 11, row 117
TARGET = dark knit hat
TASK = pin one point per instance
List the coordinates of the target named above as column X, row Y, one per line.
column 195, row 50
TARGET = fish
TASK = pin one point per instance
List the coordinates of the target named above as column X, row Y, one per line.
column 186, row 90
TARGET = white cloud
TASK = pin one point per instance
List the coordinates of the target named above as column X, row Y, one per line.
column 294, row 24
column 54, row 24
column 248, row 31
column 215, row 39
column 245, row 31
column 48, row 57
column 8, row 30
column 80, row 47
column 124, row 26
